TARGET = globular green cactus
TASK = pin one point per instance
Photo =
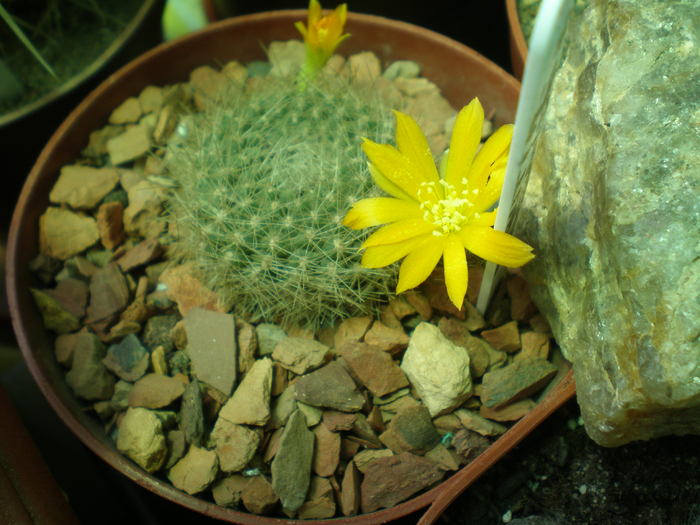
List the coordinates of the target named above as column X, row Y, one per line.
column 265, row 178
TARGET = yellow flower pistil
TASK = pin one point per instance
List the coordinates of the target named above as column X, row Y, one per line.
column 322, row 36
column 431, row 216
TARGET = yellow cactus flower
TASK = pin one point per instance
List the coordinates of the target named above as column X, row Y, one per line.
column 323, row 35
column 428, row 216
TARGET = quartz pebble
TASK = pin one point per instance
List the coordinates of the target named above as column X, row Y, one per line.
column 438, row 369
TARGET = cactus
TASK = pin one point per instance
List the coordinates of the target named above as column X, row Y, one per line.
column 265, row 177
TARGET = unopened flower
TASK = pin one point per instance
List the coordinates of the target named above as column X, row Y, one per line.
column 322, row 36
column 429, row 217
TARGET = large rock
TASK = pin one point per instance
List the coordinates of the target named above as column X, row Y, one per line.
column 617, row 271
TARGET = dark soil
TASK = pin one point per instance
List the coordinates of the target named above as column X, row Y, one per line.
column 559, row 475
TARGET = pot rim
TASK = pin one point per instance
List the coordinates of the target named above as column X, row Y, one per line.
column 25, row 220
column 73, row 82
column 518, row 45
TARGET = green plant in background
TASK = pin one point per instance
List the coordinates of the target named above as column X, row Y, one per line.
column 265, row 178
column 181, row 17
column 7, row 18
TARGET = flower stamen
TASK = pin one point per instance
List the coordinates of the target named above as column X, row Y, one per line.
column 448, row 214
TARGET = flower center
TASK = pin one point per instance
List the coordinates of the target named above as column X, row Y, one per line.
column 448, row 214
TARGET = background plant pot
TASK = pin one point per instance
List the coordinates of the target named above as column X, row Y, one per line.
column 518, row 45
column 40, row 117
column 461, row 74
column 28, row 492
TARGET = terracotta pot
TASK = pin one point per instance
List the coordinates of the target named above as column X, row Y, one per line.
column 461, row 74
column 518, row 45
column 29, row 493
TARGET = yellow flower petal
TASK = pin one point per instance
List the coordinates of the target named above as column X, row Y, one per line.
column 487, row 218
column 314, row 11
column 490, row 194
column 394, row 166
column 496, row 246
column 496, row 145
column 342, row 13
column 419, row 264
column 466, row 136
column 412, row 143
column 379, row 210
column 398, row 231
column 388, row 186
column 456, row 270
column 380, row 256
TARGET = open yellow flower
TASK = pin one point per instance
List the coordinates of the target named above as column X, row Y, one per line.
column 429, row 216
column 323, row 36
